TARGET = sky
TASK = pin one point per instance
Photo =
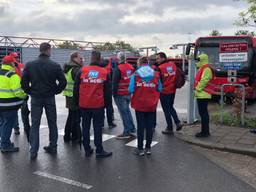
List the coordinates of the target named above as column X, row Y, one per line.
column 141, row 23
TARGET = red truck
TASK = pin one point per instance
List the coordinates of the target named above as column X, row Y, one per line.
column 237, row 53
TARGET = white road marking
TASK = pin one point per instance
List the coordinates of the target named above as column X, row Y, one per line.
column 134, row 142
column 63, row 180
column 43, row 126
column 105, row 137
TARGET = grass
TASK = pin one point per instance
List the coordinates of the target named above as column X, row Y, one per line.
column 230, row 120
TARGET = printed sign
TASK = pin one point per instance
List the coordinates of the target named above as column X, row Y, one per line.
column 233, row 57
column 232, row 66
column 233, row 47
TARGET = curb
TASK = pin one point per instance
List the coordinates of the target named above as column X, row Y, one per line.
column 221, row 147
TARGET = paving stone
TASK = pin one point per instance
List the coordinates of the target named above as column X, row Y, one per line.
column 247, row 141
column 227, row 141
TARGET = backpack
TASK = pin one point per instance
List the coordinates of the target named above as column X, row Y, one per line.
column 179, row 78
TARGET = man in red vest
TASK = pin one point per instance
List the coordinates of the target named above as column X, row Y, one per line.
column 167, row 72
column 145, row 85
column 90, row 94
column 122, row 97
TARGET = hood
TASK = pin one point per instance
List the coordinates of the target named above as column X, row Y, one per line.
column 203, row 59
column 146, row 73
column 68, row 66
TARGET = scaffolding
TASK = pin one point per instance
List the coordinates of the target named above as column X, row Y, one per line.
column 33, row 42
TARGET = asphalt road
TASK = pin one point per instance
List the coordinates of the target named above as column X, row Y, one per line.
column 173, row 166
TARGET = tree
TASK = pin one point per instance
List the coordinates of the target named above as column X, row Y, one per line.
column 69, row 45
column 118, row 45
column 248, row 18
column 215, row 33
column 245, row 32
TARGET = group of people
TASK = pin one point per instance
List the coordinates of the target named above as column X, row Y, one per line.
column 88, row 91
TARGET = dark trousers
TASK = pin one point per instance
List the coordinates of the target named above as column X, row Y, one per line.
column 145, row 120
column 25, row 117
column 203, row 112
column 72, row 127
column 37, row 106
column 167, row 101
column 7, row 121
column 97, row 117
column 110, row 113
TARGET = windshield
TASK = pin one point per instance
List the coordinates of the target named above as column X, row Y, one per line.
column 214, row 60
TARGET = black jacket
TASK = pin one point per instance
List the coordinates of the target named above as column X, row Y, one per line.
column 106, row 89
column 43, row 78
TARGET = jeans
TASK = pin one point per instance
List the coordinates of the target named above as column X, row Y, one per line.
column 203, row 112
column 167, row 101
column 37, row 105
column 7, row 122
column 123, row 103
column 145, row 120
column 97, row 117
column 72, row 127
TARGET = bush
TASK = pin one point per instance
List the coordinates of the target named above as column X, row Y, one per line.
column 230, row 120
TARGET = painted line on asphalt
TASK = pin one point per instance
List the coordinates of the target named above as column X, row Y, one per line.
column 63, row 180
column 105, row 137
column 134, row 142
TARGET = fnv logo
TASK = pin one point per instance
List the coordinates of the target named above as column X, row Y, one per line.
column 169, row 69
column 93, row 74
column 128, row 73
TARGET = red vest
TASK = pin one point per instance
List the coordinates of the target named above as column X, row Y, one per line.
column 19, row 68
column 91, row 93
column 210, row 87
column 145, row 96
column 126, row 71
column 168, row 72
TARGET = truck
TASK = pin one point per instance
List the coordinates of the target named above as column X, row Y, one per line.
column 227, row 54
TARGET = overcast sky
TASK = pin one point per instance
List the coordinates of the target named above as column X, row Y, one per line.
column 139, row 22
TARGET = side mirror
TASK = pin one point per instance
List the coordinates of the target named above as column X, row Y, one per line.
column 188, row 48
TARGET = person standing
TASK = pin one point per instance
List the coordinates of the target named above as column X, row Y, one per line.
column 167, row 71
column 203, row 91
column 122, row 97
column 11, row 99
column 107, row 64
column 24, row 108
column 43, row 79
column 146, row 86
column 72, row 127
column 91, row 95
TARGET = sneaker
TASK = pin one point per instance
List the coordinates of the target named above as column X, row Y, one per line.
column 11, row 148
column 122, row 136
column 33, row 156
column 253, row 130
column 139, row 152
column 88, row 153
column 16, row 131
column 51, row 150
column 179, row 127
column 147, row 151
column 133, row 135
column 202, row 135
column 167, row 131
column 103, row 154
column 111, row 125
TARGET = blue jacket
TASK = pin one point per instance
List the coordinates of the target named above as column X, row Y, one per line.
column 146, row 73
